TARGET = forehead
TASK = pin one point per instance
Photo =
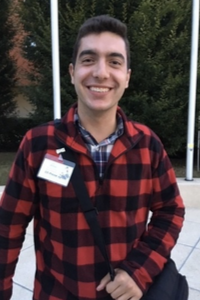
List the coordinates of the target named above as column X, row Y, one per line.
column 102, row 43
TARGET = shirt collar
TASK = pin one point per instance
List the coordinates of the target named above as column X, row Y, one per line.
column 89, row 139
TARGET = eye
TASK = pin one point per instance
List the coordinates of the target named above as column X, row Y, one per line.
column 87, row 61
column 115, row 63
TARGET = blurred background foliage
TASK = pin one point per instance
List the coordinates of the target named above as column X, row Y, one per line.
column 159, row 32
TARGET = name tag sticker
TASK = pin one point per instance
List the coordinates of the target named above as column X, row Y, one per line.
column 55, row 169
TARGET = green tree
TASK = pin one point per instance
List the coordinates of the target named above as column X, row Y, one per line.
column 160, row 38
column 7, row 65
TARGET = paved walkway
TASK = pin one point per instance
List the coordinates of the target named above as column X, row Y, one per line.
column 186, row 252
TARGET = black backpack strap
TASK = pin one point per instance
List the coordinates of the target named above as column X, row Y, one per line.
column 87, row 207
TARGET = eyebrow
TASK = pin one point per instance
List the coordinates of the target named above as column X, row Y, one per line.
column 92, row 52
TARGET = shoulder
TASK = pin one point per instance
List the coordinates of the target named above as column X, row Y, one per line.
column 38, row 139
column 134, row 128
column 145, row 132
column 148, row 132
column 41, row 131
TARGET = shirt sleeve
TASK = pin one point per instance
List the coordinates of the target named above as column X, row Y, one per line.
column 17, row 205
column 151, row 251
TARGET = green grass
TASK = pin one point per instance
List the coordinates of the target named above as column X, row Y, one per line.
column 6, row 160
column 179, row 165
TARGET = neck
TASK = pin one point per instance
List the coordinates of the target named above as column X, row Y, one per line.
column 99, row 126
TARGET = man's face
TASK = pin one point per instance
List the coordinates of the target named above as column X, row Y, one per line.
column 100, row 74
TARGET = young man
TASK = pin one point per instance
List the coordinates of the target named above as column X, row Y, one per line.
column 127, row 174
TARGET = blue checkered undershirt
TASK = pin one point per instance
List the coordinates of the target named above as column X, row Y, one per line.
column 100, row 151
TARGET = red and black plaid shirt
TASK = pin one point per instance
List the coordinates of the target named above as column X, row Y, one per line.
column 138, row 179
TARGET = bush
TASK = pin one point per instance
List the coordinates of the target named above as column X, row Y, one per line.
column 7, row 64
column 12, row 131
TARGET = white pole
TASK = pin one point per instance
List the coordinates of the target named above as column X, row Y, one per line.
column 198, row 151
column 55, row 58
column 192, row 92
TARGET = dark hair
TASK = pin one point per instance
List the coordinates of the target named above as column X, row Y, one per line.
column 98, row 25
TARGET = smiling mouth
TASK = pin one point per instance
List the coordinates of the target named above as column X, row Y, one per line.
column 99, row 89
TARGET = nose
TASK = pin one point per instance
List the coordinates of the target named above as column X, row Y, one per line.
column 101, row 70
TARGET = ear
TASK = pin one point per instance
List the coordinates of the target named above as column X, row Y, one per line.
column 71, row 72
column 128, row 77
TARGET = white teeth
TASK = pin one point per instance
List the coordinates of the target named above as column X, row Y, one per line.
column 99, row 90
